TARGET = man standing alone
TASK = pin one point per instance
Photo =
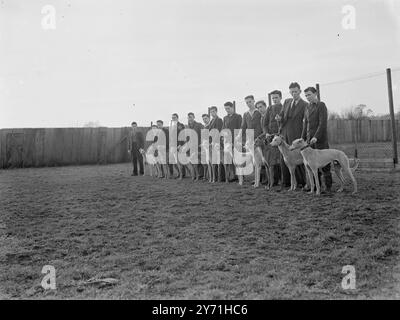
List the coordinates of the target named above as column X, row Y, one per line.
column 135, row 143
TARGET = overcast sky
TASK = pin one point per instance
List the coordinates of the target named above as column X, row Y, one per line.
column 123, row 60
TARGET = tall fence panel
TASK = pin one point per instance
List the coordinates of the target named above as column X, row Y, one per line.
column 63, row 146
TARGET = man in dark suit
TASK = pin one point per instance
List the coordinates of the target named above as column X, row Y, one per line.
column 160, row 125
column 177, row 127
column 231, row 121
column 315, row 130
column 290, row 127
column 216, row 123
column 271, row 126
column 135, row 143
column 196, row 126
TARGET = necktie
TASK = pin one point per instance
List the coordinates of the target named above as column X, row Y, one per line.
column 291, row 108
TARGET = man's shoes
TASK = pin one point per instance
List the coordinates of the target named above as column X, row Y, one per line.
column 134, row 174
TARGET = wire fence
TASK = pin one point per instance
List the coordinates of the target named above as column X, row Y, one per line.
column 365, row 100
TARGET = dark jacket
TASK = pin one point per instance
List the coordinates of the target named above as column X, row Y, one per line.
column 232, row 122
column 216, row 123
column 252, row 122
column 269, row 124
column 135, row 142
column 291, row 125
column 315, row 124
column 196, row 126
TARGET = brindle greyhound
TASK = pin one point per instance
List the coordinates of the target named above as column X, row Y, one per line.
column 262, row 148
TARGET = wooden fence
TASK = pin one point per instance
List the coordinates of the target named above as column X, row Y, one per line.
column 73, row 146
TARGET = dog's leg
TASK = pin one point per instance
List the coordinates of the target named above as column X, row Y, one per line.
column 195, row 172
column 227, row 170
column 292, row 178
column 166, row 170
column 315, row 173
column 257, row 173
column 190, row 168
column 338, row 171
column 205, row 172
column 271, row 170
column 219, row 169
column 214, row 171
column 346, row 167
column 240, row 177
column 310, row 178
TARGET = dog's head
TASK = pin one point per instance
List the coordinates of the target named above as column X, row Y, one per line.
column 260, row 141
column 268, row 138
column 276, row 141
column 297, row 144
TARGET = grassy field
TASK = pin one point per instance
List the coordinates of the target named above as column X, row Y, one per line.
column 174, row 239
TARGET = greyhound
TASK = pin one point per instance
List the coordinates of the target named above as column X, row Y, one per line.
column 193, row 167
column 248, row 157
column 292, row 158
column 315, row 159
column 177, row 164
column 211, row 170
column 150, row 160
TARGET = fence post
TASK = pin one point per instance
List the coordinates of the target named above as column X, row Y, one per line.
column 209, row 111
column 391, row 109
column 269, row 99
column 318, row 92
column 234, row 106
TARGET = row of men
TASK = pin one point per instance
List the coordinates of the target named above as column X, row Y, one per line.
column 293, row 119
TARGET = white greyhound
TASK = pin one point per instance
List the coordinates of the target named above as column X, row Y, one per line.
column 207, row 148
column 315, row 159
column 150, row 160
column 247, row 157
column 292, row 158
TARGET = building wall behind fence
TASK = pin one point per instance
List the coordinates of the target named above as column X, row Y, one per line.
column 73, row 146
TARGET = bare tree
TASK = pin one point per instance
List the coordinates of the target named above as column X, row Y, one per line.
column 92, row 124
column 357, row 112
column 333, row 115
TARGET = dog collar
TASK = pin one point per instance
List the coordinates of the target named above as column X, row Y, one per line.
column 305, row 147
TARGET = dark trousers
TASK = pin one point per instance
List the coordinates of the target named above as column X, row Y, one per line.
column 326, row 172
column 300, row 174
column 277, row 173
column 171, row 169
column 137, row 157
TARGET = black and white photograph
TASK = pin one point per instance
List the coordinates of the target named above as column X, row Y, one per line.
column 209, row 151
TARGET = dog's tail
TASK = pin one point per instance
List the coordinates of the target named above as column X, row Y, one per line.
column 357, row 162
